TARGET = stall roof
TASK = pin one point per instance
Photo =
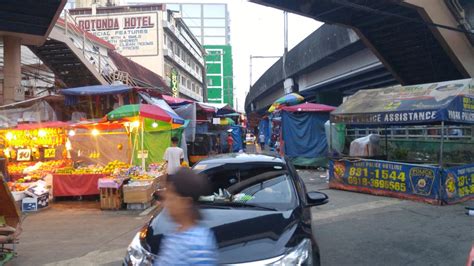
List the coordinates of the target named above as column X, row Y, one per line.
column 175, row 101
column 49, row 124
column 450, row 101
column 97, row 90
column 308, row 107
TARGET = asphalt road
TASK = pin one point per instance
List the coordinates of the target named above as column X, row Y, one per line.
column 360, row 229
column 352, row 229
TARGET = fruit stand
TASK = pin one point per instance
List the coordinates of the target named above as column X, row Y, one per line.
column 34, row 152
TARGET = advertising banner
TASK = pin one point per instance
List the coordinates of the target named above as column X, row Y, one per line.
column 415, row 104
column 131, row 34
column 401, row 180
column 458, row 183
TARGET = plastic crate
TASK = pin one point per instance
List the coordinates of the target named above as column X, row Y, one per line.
column 111, row 198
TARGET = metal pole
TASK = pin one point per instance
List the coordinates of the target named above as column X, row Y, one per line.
column 330, row 139
column 142, row 151
column 441, row 145
column 250, row 70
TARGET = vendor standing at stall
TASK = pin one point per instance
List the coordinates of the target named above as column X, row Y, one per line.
column 230, row 142
column 174, row 156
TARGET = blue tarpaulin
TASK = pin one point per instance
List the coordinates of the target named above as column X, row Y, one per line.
column 96, row 90
column 237, row 136
column 303, row 134
column 449, row 101
column 264, row 127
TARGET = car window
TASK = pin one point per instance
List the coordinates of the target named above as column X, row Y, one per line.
column 266, row 185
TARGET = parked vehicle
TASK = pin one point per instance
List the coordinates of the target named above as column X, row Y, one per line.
column 250, row 138
column 260, row 213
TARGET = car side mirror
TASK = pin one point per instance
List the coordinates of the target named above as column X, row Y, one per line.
column 316, row 198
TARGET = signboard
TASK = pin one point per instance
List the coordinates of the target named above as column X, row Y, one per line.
column 425, row 103
column 23, row 155
column 458, row 183
column 131, row 34
column 174, row 83
column 49, row 153
column 387, row 178
column 142, row 154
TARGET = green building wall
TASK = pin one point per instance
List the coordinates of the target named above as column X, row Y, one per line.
column 220, row 77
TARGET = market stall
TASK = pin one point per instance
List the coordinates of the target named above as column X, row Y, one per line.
column 150, row 128
column 303, row 137
column 414, row 142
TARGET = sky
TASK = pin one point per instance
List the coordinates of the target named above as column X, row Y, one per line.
column 255, row 30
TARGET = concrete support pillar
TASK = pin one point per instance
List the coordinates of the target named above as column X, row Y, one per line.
column 11, row 68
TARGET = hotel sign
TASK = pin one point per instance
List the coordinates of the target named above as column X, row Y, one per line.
column 131, row 34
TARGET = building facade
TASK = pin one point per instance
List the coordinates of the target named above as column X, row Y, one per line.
column 210, row 23
column 153, row 37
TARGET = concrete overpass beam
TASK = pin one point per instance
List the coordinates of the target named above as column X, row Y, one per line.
column 12, row 70
column 456, row 44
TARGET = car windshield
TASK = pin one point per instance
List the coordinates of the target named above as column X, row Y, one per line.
column 264, row 185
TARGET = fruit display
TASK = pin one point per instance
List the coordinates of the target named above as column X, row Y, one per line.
column 17, row 168
column 110, row 168
column 113, row 166
column 35, row 167
column 17, row 187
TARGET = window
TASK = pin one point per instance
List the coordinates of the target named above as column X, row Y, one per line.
column 188, row 82
column 191, row 10
column 183, row 80
column 214, row 23
column 174, row 7
column 196, row 31
column 167, row 70
column 214, row 11
column 214, row 40
column 192, row 22
column 264, row 184
column 214, row 32
column 170, row 45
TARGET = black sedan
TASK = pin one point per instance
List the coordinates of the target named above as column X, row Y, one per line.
column 259, row 213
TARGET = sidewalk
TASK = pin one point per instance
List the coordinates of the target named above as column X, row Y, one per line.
column 77, row 233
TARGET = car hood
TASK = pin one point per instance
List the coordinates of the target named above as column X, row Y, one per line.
column 242, row 235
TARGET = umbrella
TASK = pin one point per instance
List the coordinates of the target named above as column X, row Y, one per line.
column 146, row 111
column 289, row 99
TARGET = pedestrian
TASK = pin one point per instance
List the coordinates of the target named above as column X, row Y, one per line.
column 261, row 140
column 174, row 156
column 190, row 243
column 230, row 142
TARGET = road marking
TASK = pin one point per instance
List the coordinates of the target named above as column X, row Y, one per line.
column 323, row 215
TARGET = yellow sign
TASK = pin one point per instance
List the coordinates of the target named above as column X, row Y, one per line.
column 23, row 155
column 174, row 83
column 49, row 153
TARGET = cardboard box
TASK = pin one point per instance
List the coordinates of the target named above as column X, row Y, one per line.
column 138, row 193
column 29, row 205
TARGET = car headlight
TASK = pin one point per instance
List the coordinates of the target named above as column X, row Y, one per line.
column 135, row 251
column 299, row 255
column 136, row 254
